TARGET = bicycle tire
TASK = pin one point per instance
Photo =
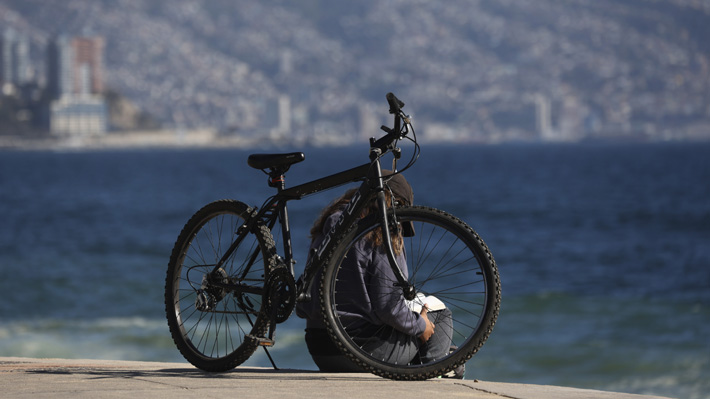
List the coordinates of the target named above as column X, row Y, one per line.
column 211, row 331
column 468, row 283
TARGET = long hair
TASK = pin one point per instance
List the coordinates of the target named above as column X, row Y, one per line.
column 374, row 236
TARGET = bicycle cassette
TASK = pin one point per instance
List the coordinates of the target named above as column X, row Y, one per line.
column 209, row 295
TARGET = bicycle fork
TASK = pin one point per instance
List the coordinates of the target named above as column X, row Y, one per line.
column 408, row 290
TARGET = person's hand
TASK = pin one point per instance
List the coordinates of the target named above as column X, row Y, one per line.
column 429, row 330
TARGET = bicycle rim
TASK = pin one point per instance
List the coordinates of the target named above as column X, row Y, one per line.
column 446, row 259
column 209, row 323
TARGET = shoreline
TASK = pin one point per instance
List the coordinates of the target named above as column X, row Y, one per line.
column 209, row 138
column 204, row 138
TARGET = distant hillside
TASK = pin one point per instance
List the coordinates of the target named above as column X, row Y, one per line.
column 489, row 68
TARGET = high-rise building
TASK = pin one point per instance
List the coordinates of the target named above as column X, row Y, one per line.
column 14, row 59
column 59, row 67
column 88, row 65
column 75, row 84
column 75, row 66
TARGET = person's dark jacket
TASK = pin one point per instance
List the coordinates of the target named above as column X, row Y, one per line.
column 368, row 280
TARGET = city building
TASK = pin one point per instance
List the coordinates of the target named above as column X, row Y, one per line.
column 72, row 116
column 15, row 69
column 75, row 86
column 277, row 117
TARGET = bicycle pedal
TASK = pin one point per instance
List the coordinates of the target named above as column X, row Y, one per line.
column 265, row 342
column 261, row 341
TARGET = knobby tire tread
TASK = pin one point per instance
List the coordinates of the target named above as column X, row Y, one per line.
column 438, row 368
column 268, row 249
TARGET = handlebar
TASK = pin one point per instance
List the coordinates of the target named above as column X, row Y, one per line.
column 395, row 103
column 395, row 133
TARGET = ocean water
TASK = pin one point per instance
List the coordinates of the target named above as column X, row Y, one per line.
column 602, row 249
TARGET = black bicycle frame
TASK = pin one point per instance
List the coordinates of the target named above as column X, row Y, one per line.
column 372, row 187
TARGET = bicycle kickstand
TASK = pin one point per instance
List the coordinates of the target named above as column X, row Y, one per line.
column 265, row 342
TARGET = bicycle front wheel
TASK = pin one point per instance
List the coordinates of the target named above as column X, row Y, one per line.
column 445, row 259
column 209, row 320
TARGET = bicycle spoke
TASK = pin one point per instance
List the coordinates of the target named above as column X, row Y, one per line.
column 212, row 336
column 442, row 260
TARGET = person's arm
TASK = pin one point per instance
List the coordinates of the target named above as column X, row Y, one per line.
column 387, row 301
column 429, row 330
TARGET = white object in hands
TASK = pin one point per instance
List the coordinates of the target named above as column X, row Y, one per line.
column 432, row 302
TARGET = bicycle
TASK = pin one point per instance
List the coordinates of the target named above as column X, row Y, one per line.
column 227, row 287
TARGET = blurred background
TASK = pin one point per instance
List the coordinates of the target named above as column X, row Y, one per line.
column 478, row 71
column 573, row 135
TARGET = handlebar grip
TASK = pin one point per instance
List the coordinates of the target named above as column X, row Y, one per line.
column 395, row 103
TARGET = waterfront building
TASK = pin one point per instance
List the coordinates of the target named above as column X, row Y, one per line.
column 14, row 60
column 75, row 86
column 78, row 116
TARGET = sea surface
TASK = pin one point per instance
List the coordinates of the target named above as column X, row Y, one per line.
column 603, row 250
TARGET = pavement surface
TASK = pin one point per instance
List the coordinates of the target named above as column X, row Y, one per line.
column 62, row 378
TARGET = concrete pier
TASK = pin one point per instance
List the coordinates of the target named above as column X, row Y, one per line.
column 62, row 378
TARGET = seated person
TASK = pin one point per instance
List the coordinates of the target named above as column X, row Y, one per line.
column 399, row 335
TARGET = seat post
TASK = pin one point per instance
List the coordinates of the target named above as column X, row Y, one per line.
column 277, row 179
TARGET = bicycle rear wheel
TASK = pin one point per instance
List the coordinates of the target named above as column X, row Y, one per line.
column 209, row 322
column 446, row 259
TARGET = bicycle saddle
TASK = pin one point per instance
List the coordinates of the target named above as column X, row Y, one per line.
column 275, row 161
